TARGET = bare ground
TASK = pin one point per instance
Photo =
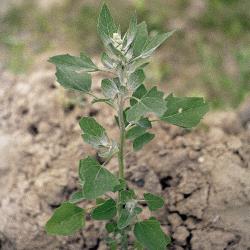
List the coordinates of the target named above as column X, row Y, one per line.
column 203, row 175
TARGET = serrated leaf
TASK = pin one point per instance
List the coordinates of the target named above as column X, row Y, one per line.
column 130, row 35
column 136, row 79
column 74, row 63
column 93, row 133
column 109, row 88
column 66, row 220
column 150, row 235
column 142, row 140
column 135, row 132
column 106, row 26
column 96, row 180
column 154, row 43
column 70, row 79
column 105, row 211
column 151, row 102
column 140, row 40
column 76, row 197
column 185, row 112
column 154, row 202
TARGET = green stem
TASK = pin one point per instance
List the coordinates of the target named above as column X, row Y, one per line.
column 122, row 139
column 124, row 239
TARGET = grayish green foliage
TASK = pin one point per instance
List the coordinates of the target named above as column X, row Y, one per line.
column 136, row 79
column 96, row 180
column 74, row 63
column 125, row 58
column 109, row 88
column 150, row 235
column 93, row 133
column 105, row 211
column 106, row 26
column 151, row 102
column 66, row 220
column 153, row 201
column 185, row 112
column 70, row 79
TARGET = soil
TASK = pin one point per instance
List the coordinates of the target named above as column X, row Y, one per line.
column 203, row 174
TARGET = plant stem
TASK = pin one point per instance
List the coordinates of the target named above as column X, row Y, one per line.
column 122, row 139
column 124, row 239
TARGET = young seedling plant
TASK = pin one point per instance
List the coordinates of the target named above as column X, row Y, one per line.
column 125, row 58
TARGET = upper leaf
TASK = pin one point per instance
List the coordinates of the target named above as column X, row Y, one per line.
column 106, row 26
column 66, row 220
column 136, row 79
column 150, row 235
column 105, row 211
column 107, row 61
column 70, row 79
column 140, row 39
column 151, row 102
column 185, row 112
column 154, row 43
column 96, row 180
column 109, row 88
column 74, row 63
column 153, row 201
column 93, row 133
column 130, row 35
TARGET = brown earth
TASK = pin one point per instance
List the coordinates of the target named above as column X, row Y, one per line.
column 203, row 175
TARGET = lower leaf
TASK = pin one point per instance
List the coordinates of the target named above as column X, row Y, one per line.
column 66, row 220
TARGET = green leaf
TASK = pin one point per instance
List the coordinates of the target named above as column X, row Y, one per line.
column 96, row 180
column 136, row 79
column 135, row 132
column 106, row 26
column 127, row 195
column 142, row 140
column 121, row 186
column 127, row 216
column 109, row 88
column 107, row 61
column 124, row 219
column 150, row 235
column 154, row 202
column 105, row 211
column 130, row 35
column 111, row 227
column 185, row 112
column 93, row 133
column 144, row 123
column 70, row 79
column 139, row 93
column 66, row 220
column 76, row 197
column 151, row 102
column 154, row 43
column 140, row 40
column 74, row 63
